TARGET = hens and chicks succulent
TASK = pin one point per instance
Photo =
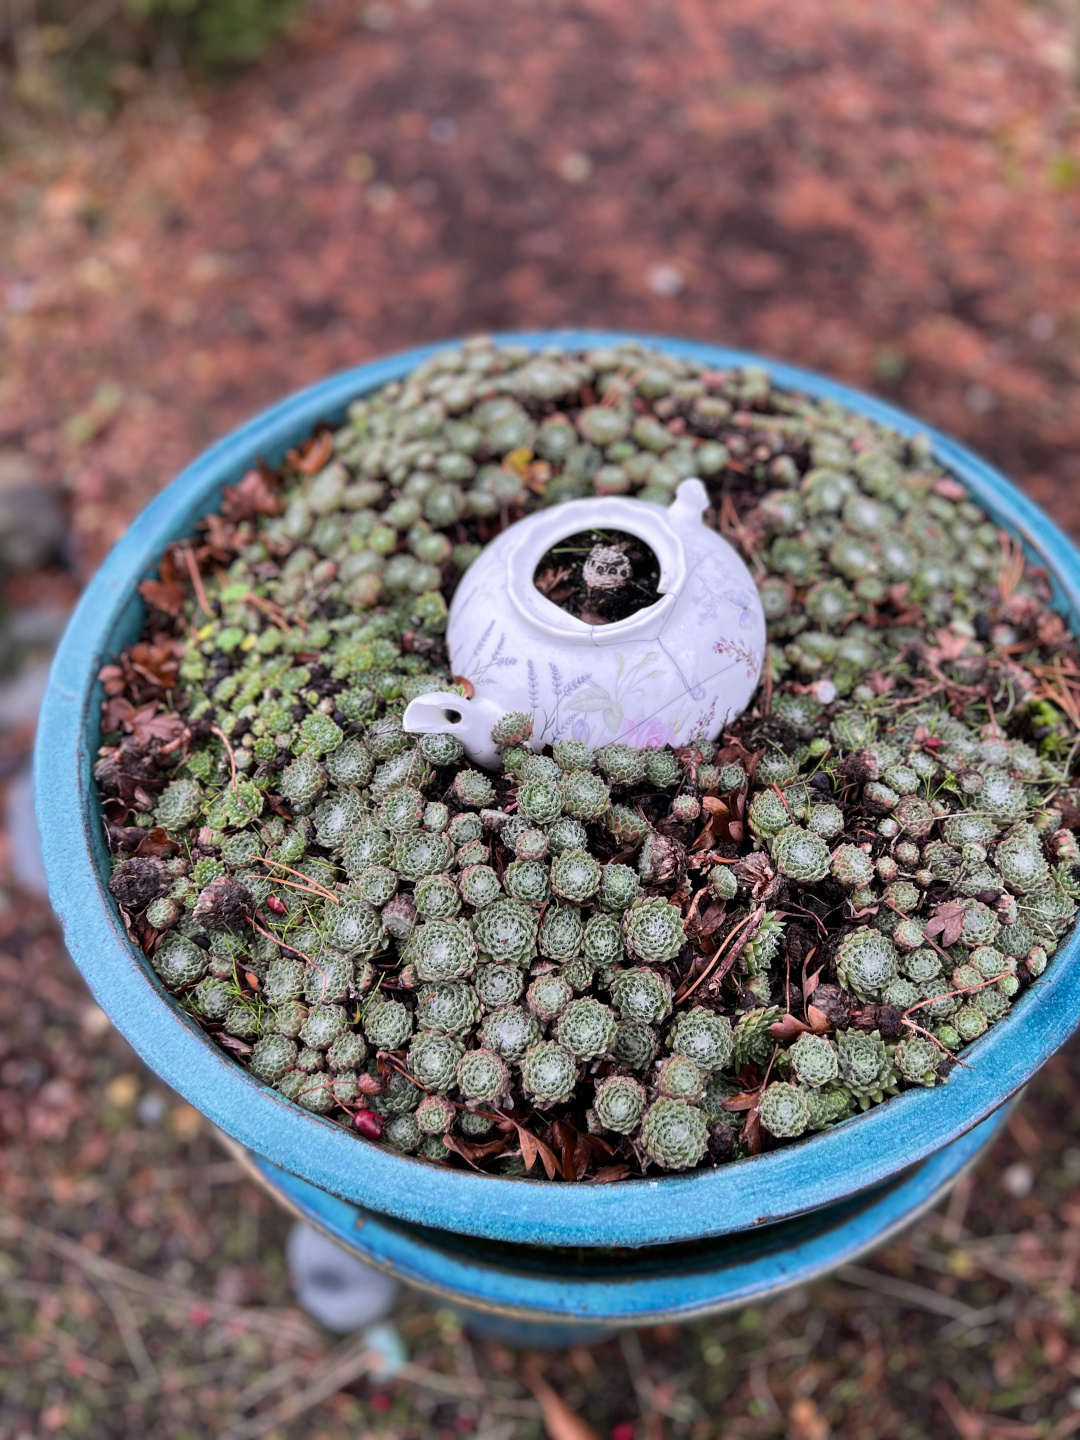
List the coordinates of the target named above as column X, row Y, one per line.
column 395, row 939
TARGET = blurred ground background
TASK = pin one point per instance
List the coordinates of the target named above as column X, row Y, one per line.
column 888, row 193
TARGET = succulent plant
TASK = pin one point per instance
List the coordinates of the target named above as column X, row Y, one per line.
column 367, row 846
column 662, row 769
column 498, row 985
column 548, row 996
column 479, row 886
column 618, row 1103
column 828, row 1106
column 351, row 763
column 635, row 1044
column 302, row 781
column 472, row 789
column 602, row 941
column 510, row 1031
column 722, row 882
column 353, row 927
column 309, row 1061
column 530, row 844
column 800, row 855
column 163, row 913
column 474, row 1123
column 433, row 1060
column 482, row 1075
column 387, row 1024
column 527, row 880
column 566, row 833
column 584, row 795
column 626, row 826
column 329, row 977
column 452, row 1008
column 437, row 897
column 814, row 1060
column 441, row 950
column 917, row 1058
column 732, row 777
column 704, row 1037
column 403, row 1133
column 180, row 804
column 212, row 998
column 399, row 1095
column 768, row 814
column 864, row 1065
column 539, row 801
column 678, row 1078
column 586, row 1028
column 642, row 994
column 512, row 729
column 401, row 811
column 751, row 1038
column 272, row 1057
column 760, row 953
column 323, row 1025
column 506, row 932
column 784, row 1110
column 573, row 755
column 560, row 932
column 654, row 930
column 540, row 767
column 434, row 1115
column 575, row 876
column 377, row 883
column 548, row 1073
column 287, row 1018
column 348, row 1051
column 674, row 1134
column 622, row 764
column 464, row 828
column 180, row 962
column 866, row 962
column 619, row 887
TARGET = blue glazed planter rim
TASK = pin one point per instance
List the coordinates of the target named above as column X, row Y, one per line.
column 642, row 1287
column 810, row 1173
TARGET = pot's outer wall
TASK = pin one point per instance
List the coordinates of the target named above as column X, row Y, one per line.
column 650, row 1285
column 795, row 1178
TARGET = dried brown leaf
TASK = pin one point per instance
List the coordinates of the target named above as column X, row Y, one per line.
column 156, row 844
column 788, row 1027
column 947, row 921
column 819, row 1021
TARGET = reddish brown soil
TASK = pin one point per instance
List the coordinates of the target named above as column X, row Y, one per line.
column 889, row 193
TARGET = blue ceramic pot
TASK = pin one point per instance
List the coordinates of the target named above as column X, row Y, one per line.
column 547, row 1296
column 864, row 1152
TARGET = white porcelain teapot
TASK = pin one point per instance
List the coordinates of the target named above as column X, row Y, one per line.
column 675, row 671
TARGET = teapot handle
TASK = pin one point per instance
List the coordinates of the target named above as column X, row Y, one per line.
column 443, row 713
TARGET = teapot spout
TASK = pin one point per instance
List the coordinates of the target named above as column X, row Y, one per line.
column 444, row 713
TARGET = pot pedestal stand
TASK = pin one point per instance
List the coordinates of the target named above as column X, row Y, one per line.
column 552, row 1296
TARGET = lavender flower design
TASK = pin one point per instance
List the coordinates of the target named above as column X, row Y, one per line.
column 739, row 650
column 496, row 660
column 554, row 724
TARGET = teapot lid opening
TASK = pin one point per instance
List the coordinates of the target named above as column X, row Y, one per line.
column 543, row 531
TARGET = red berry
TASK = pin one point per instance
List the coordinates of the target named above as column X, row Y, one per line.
column 275, row 906
column 368, row 1124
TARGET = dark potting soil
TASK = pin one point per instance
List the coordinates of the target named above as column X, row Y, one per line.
column 599, row 576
